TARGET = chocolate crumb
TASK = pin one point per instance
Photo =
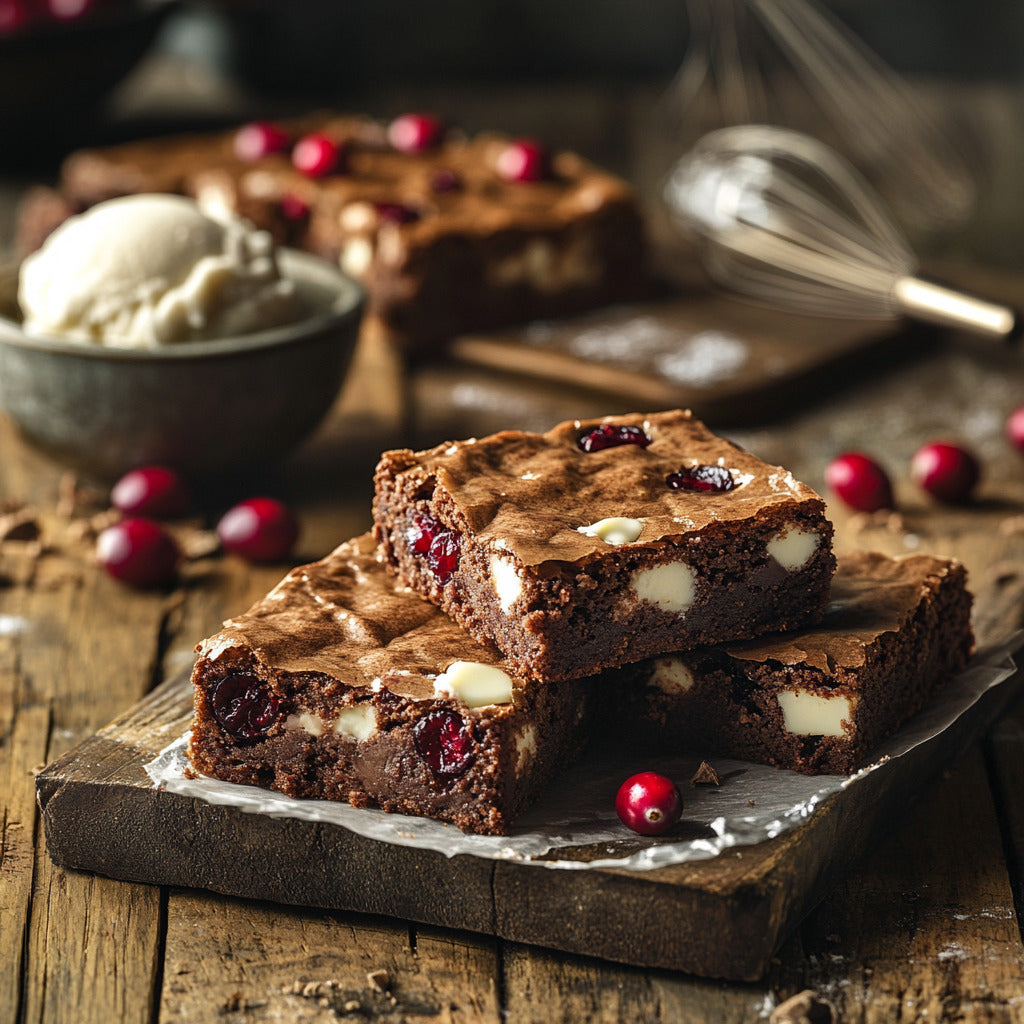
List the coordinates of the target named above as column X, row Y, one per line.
column 379, row 979
column 804, row 1008
column 352, row 1006
column 750, row 803
column 705, row 776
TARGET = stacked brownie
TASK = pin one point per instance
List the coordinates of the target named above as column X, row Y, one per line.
column 523, row 590
column 448, row 233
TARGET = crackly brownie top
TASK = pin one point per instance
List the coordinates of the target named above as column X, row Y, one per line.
column 669, row 476
column 872, row 594
column 452, row 186
column 347, row 617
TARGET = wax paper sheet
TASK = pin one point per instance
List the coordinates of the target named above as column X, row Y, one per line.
column 752, row 803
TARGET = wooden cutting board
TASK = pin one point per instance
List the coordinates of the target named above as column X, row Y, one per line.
column 717, row 918
column 727, row 360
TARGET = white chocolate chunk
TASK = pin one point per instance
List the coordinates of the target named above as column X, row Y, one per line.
column 671, row 586
column 305, row 722
column 508, row 584
column 807, row 714
column 357, row 722
column 617, row 530
column 475, row 684
column 793, row 547
column 670, row 676
column 526, row 748
column 356, row 256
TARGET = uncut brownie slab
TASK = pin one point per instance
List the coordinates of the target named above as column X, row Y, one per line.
column 443, row 242
column 820, row 700
column 605, row 541
column 342, row 685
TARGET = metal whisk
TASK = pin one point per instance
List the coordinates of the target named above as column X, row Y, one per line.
column 793, row 63
column 784, row 219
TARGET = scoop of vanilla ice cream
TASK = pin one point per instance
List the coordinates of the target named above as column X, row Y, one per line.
column 150, row 270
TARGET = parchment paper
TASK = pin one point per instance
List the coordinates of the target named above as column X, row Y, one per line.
column 753, row 802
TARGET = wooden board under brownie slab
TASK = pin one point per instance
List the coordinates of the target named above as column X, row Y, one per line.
column 722, row 918
column 726, row 359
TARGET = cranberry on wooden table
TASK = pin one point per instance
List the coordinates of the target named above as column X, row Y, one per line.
column 859, row 482
column 138, row 551
column 259, row 530
column 946, row 471
column 154, row 491
column 1015, row 428
column 649, row 803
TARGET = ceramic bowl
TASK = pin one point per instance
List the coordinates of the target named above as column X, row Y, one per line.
column 204, row 407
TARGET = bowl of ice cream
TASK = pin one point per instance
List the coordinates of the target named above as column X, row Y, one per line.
column 145, row 331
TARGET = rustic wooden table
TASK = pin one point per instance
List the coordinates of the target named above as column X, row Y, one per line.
column 926, row 926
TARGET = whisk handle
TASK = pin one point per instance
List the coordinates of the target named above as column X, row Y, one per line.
column 925, row 300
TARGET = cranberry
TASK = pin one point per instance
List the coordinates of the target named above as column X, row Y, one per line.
column 259, row 529
column 396, row 213
column 138, row 551
column 155, row 491
column 859, row 482
column 524, row 160
column 15, row 15
column 244, row 706
column 610, row 436
column 1015, row 428
column 946, row 471
column 441, row 545
column 445, row 180
column 317, row 155
column 445, row 742
column 649, row 803
column 258, row 139
column 706, row 479
column 69, row 10
column 294, row 207
column 413, row 133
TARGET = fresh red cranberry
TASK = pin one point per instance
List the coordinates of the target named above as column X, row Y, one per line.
column 608, row 435
column 244, row 706
column 294, row 207
column 138, row 551
column 1015, row 428
column 258, row 139
column 259, row 530
column 860, row 482
column 316, row 155
column 524, row 160
column 69, row 10
column 946, row 471
column 154, row 491
column 445, row 741
column 441, row 546
column 649, row 803
column 396, row 213
column 445, row 180
column 705, row 479
column 15, row 16
column 413, row 133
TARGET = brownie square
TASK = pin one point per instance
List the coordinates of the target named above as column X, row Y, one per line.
column 342, row 685
column 660, row 537
column 443, row 242
column 820, row 700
